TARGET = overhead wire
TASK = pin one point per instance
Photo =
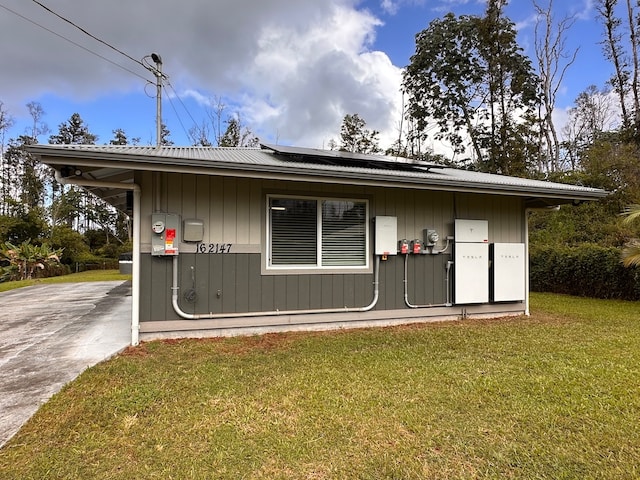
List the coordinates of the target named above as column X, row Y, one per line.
column 139, row 62
column 178, row 116
column 74, row 43
column 88, row 34
column 185, row 109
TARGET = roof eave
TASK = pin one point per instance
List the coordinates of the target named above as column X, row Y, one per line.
column 101, row 159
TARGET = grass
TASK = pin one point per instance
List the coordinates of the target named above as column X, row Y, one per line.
column 87, row 276
column 552, row 396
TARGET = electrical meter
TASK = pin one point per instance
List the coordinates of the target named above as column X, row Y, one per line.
column 165, row 237
column 158, row 226
column 431, row 237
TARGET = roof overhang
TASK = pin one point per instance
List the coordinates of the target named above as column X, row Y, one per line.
column 118, row 164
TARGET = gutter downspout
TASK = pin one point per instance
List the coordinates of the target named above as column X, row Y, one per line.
column 527, row 281
column 208, row 316
column 135, row 290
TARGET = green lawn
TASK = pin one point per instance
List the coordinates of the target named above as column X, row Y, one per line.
column 552, row 396
column 88, row 276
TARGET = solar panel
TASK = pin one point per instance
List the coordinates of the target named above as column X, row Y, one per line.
column 350, row 159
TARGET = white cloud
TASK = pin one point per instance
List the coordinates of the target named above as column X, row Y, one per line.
column 293, row 68
column 317, row 76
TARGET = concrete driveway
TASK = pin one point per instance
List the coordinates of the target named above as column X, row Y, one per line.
column 49, row 334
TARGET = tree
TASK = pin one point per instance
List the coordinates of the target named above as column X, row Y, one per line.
column 614, row 51
column 237, row 134
column 553, row 62
column 164, row 136
column 592, row 115
column 200, row 135
column 611, row 163
column 38, row 127
column 22, row 225
column 66, row 205
column 635, row 64
column 6, row 122
column 631, row 251
column 231, row 132
column 354, row 137
column 73, row 132
column 470, row 77
column 27, row 173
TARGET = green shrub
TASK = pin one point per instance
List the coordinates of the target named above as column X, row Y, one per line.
column 26, row 261
column 588, row 271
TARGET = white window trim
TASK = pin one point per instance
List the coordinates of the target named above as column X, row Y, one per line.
column 318, row 268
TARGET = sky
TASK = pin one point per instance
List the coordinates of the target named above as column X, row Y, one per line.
column 291, row 70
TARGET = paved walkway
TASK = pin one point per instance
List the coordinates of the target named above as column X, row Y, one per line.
column 49, row 334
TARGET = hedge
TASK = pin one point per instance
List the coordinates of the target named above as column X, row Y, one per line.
column 586, row 271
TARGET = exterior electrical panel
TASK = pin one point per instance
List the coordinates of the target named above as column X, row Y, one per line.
column 165, row 234
column 386, row 235
column 508, row 272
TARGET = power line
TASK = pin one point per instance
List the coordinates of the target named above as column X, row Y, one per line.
column 142, row 62
column 87, row 33
column 75, row 43
column 183, row 105
column 179, row 119
column 139, row 62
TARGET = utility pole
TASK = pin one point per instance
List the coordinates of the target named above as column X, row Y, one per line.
column 158, row 73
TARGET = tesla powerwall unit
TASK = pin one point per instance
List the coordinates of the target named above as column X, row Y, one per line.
column 471, row 262
column 508, row 272
column 471, row 231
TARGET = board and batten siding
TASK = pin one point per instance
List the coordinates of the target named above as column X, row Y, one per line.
column 233, row 212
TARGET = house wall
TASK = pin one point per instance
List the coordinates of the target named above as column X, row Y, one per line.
column 233, row 211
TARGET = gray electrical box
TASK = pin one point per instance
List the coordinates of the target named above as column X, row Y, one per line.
column 193, row 230
column 165, row 234
column 386, row 235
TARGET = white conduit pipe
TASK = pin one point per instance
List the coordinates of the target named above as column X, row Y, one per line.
column 208, row 316
column 406, row 289
column 135, row 287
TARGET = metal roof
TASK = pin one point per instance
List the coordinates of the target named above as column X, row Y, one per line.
column 118, row 163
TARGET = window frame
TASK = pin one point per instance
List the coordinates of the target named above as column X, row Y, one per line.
column 269, row 268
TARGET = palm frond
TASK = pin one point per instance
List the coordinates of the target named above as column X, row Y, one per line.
column 632, row 212
column 631, row 254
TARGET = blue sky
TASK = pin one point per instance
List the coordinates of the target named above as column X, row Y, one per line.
column 291, row 70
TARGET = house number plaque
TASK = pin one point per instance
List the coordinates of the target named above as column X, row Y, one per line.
column 214, row 247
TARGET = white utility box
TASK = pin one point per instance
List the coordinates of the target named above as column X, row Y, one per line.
column 471, row 231
column 508, row 272
column 386, row 235
column 471, row 263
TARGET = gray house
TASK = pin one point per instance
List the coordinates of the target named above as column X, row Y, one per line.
column 237, row 241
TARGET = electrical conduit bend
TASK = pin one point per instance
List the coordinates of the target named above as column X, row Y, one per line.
column 175, row 288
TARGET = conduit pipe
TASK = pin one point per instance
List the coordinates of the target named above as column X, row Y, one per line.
column 208, row 316
column 446, row 247
column 135, row 287
column 527, row 211
column 406, row 288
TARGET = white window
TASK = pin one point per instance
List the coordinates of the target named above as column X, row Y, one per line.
column 317, row 233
